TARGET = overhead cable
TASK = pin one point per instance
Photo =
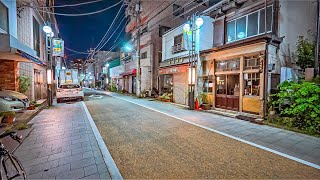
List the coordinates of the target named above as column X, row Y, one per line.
column 82, row 14
column 114, row 20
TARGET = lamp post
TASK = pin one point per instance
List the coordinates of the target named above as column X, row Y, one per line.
column 49, row 34
column 191, row 28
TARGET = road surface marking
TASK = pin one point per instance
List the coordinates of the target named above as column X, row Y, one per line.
column 227, row 135
column 111, row 165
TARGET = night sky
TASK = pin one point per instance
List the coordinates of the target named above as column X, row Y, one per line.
column 84, row 32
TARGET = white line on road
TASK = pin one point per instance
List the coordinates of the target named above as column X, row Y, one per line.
column 111, row 165
column 227, row 135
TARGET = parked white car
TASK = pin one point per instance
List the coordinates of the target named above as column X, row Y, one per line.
column 13, row 101
column 69, row 92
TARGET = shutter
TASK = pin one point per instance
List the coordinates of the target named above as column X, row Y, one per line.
column 180, row 88
column 218, row 35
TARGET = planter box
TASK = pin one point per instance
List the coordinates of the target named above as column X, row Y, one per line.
column 205, row 106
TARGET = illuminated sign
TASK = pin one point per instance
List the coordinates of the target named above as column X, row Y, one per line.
column 57, row 47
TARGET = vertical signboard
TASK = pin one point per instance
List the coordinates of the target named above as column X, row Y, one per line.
column 57, row 47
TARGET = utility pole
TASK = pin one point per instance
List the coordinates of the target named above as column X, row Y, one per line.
column 138, row 10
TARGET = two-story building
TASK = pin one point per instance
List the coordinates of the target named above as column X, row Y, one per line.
column 249, row 45
column 176, row 47
column 23, row 45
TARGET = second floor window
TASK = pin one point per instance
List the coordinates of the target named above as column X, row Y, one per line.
column 249, row 25
column 144, row 55
column 36, row 36
column 178, row 39
column 4, row 21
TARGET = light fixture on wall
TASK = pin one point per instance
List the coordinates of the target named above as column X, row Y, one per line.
column 47, row 29
column 191, row 75
column 49, row 77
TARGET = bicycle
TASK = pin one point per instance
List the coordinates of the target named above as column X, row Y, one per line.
column 8, row 161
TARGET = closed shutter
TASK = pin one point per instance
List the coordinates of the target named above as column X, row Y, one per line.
column 180, row 88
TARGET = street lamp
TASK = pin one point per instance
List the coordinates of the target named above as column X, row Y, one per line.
column 47, row 29
column 191, row 28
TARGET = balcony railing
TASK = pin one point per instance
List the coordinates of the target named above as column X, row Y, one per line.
column 178, row 48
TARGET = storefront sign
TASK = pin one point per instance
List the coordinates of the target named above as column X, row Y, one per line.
column 173, row 70
column 57, row 47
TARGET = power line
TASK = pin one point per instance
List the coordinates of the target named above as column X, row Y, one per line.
column 82, row 14
column 111, row 35
column 76, row 51
column 104, row 36
column 71, row 5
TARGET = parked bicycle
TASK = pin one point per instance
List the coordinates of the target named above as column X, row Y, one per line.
column 10, row 166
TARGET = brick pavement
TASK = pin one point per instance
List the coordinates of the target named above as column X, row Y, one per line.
column 62, row 145
column 291, row 143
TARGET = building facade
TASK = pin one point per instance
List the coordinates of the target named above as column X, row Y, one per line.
column 23, row 45
column 176, row 48
column 156, row 17
column 250, row 45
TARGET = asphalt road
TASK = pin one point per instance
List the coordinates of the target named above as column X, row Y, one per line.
column 146, row 145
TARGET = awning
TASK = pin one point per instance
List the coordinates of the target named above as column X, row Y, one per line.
column 133, row 72
column 25, row 55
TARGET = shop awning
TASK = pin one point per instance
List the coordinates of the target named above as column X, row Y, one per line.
column 132, row 72
column 25, row 55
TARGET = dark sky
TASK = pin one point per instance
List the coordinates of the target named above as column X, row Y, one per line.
column 84, row 32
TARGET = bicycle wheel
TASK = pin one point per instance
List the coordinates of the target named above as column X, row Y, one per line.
column 11, row 168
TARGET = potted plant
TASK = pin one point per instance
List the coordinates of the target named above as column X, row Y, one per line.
column 32, row 105
column 9, row 117
column 205, row 105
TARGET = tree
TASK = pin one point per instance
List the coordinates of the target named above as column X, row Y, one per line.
column 305, row 53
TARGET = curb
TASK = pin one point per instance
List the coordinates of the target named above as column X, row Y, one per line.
column 111, row 165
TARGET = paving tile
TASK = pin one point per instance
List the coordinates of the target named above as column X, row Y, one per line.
column 90, row 170
column 92, row 176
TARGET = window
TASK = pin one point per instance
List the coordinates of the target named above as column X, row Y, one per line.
column 177, row 10
column 4, row 21
column 144, row 55
column 249, row 25
column 231, row 30
column 178, row 39
column 221, row 84
column 230, row 65
column 252, row 84
column 253, row 24
column 36, row 36
column 207, row 85
column 262, row 19
column 241, row 28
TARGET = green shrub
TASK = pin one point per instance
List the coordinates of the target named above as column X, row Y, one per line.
column 8, row 114
column 301, row 103
column 24, row 83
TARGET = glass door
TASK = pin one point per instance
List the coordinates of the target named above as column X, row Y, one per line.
column 228, row 91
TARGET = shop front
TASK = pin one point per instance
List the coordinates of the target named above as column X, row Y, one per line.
column 174, row 80
column 129, row 81
column 239, row 78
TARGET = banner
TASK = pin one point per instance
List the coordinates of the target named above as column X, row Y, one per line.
column 57, row 47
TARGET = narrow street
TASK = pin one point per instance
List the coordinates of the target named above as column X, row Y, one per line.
column 148, row 144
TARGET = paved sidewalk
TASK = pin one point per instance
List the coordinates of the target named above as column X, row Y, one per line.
column 62, row 145
column 294, row 144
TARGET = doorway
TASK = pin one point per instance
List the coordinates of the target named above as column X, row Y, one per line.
column 228, row 91
column 134, row 86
